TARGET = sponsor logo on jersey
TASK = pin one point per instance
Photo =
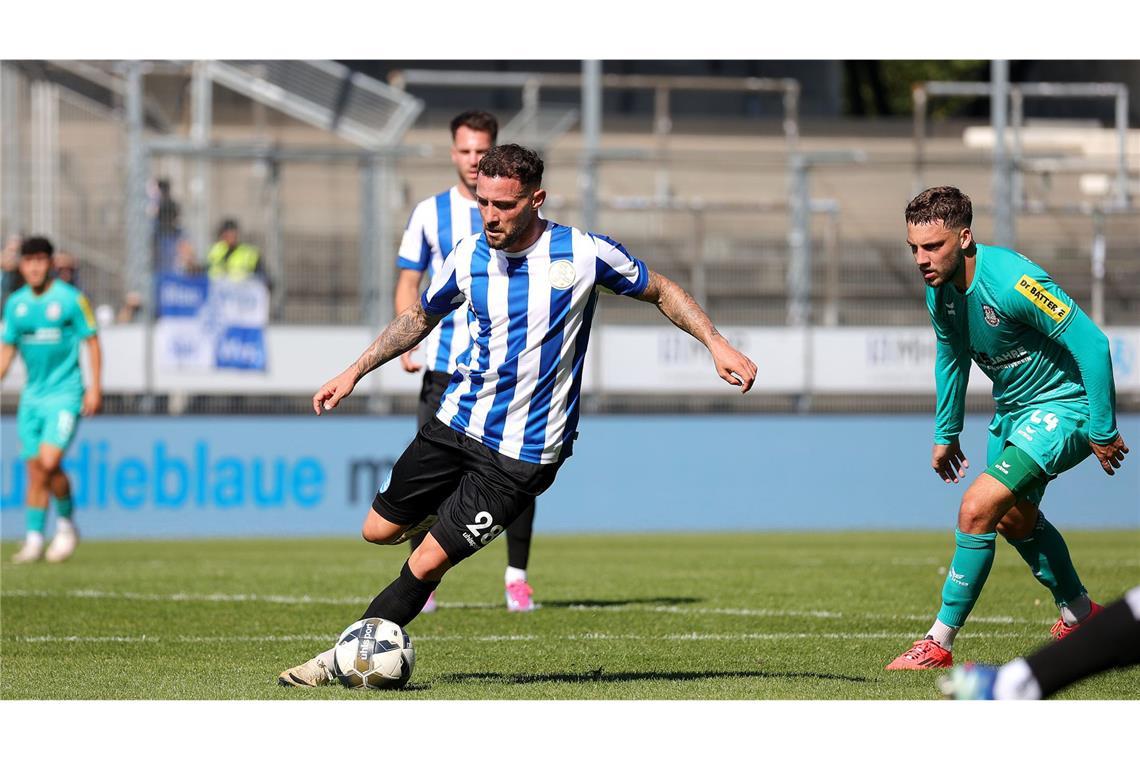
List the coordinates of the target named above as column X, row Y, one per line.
column 53, row 311
column 1042, row 298
column 1012, row 358
column 991, row 315
column 561, row 274
column 44, row 335
column 950, row 309
column 21, row 309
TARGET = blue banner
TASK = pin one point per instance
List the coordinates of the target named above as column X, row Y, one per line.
column 135, row 477
column 206, row 324
column 181, row 295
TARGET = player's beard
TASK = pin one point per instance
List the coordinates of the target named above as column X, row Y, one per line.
column 510, row 238
column 515, row 235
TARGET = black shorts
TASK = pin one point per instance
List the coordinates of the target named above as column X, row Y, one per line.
column 431, row 393
column 475, row 491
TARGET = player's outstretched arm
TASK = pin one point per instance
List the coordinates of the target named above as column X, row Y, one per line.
column 682, row 310
column 404, row 332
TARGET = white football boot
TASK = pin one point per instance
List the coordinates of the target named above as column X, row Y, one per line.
column 31, row 551
column 311, row 673
column 63, row 544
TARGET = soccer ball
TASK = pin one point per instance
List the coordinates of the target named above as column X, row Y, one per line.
column 374, row 653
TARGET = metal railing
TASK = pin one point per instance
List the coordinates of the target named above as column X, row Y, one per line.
column 1018, row 93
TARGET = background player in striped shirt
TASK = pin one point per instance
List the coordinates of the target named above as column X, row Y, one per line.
column 509, row 416
column 435, row 226
column 1055, row 403
column 45, row 321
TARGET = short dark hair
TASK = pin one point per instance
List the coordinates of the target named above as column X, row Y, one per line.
column 514, row 162
column 227, row 225
column 480, row 121
column 36, row 244
column 945, row 204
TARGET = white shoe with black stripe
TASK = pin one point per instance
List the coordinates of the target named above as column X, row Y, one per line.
column 309, row 674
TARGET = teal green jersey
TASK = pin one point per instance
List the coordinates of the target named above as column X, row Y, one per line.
column 1027, row 335
column 47, row 330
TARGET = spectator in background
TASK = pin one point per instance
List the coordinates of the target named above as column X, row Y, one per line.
column 12, row 279
column 67, row 269
column 229, row 257
column 171, row 251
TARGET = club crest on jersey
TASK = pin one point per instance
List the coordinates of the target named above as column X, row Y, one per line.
column 991, row 315
column 53, row 311
column 561, row 274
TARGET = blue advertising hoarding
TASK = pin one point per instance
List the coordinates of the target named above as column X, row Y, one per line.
column 139, row 477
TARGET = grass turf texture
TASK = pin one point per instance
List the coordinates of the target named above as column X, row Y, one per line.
column 752, row 616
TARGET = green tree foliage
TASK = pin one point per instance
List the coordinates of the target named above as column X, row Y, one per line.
column 883, row 88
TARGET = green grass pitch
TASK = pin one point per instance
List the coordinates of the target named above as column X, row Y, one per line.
column 662, row 616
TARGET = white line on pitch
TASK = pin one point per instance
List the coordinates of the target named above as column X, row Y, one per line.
column 627, row 607
column 694, row 636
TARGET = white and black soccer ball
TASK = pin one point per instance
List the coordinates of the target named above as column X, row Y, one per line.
column 374, row 653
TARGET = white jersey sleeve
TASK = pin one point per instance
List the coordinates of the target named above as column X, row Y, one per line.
column 415, row 246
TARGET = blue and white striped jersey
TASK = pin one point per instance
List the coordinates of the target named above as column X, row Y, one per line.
column 516, row 387
column 435, row 226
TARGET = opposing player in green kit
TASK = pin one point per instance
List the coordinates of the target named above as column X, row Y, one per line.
column 1055, row 404
column 45, row 321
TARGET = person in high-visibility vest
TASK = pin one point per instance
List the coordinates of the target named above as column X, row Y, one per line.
column 229, row 257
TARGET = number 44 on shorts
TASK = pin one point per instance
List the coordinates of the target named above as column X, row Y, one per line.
column 1048, row 419
column 480, row 527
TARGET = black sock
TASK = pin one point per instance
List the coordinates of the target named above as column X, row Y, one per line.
column 402, row 600
column 1110, row 640
column 518, row 538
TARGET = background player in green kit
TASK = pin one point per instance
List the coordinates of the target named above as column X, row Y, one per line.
column 45, row 321
column 1054, row 404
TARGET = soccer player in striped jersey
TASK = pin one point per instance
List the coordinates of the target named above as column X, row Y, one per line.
column 45, row 322
column 435, row 226
column 510, row 413
column 1055, row 404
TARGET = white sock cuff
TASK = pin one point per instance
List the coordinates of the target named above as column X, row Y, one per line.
column 1015, row 681
column 943, row 634
column 513, row 575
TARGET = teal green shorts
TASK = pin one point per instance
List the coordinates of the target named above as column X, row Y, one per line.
column 1055, row 437
column 50, row 421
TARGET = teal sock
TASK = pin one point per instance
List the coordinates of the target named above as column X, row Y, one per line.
column 35, row 518
column 968, row 571
column 64, row 507
column 1045, row 552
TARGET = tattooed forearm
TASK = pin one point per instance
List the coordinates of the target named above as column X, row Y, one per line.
column 680, row 307
column 403, row 333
